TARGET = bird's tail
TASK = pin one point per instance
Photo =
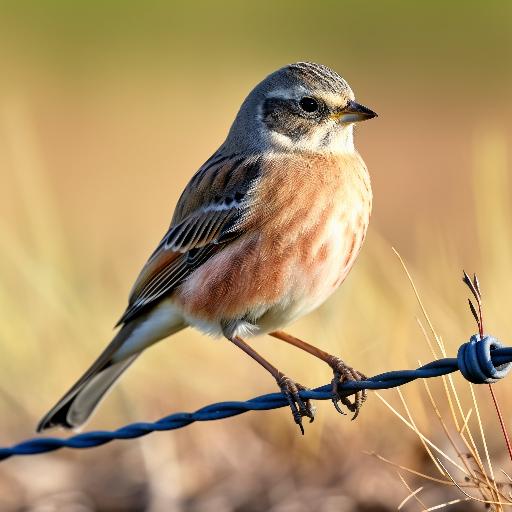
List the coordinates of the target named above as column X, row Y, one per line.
column 75, row 407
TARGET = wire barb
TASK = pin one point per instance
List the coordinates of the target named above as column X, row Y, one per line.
column 474, row 287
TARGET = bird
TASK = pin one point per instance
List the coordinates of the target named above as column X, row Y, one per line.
column 264, row 232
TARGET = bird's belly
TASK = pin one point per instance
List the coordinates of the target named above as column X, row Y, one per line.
column 316, row 277
column 261, row 285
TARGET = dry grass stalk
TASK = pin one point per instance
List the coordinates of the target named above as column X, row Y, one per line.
column 477, row 482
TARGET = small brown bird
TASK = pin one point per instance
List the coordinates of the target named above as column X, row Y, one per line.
column 263, row 233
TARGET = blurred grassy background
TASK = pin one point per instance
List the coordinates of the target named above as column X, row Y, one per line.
column 106, row 110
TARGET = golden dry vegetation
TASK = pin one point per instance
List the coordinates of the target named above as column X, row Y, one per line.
column 105, row 113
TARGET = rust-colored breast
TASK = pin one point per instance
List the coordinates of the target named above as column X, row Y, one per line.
column 306, row 225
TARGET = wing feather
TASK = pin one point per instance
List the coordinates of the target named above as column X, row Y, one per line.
column 210, row 213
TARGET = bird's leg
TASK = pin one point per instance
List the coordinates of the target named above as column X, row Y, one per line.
column 289, row 388
column 342, row 373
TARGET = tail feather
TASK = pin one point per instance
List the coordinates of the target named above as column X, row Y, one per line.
column 75, row 407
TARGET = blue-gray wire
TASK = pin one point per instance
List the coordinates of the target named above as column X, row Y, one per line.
column 479, row 361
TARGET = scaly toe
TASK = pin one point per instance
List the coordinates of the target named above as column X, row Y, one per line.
column 300, row 408
column 344, row 373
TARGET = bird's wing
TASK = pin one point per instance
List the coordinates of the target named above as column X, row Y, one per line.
column 211, row 212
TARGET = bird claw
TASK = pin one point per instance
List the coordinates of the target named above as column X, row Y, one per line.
column 344, row 373
column 300, row 407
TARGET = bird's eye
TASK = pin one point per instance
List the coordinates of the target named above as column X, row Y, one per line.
column 308, row 104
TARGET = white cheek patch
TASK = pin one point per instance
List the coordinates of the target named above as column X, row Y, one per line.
column 330, row 137
column 279, row 140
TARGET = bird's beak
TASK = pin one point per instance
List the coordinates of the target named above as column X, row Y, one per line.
column 353, row 112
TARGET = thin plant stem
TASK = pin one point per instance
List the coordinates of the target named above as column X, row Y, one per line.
column 474, row 287
column 502, row 422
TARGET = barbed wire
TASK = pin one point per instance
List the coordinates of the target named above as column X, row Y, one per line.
column 481, row 361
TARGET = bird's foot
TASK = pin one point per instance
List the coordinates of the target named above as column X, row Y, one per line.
column 344, row 373
column 300, row 407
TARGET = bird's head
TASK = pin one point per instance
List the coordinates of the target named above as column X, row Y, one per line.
column 300, row 107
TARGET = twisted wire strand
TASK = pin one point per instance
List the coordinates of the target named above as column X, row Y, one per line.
column 479, row 360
